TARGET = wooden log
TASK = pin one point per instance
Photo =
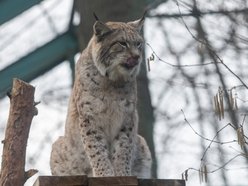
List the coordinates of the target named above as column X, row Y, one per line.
column 113, row 181
column 22, row 110
column 61, row 181
column 160, row 182
column 104, row 181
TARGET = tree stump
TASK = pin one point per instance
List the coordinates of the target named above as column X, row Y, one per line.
column 22, row 110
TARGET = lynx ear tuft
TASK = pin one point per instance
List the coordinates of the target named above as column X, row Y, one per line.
column 101, row 29
column 138, row 24
column 95, row 16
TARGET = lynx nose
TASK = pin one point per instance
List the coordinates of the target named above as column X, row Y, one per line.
column 133, row 61
column 135, row 57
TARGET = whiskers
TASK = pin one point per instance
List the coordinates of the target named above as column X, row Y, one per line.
column 116, row 72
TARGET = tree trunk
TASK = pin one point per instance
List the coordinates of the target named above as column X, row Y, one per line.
column 22, row 110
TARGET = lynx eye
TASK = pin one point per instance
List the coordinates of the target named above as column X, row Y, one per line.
column 123, row 44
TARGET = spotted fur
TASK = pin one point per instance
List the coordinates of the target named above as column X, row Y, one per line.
column 101, row 128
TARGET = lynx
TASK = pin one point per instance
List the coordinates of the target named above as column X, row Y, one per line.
column 101, row 127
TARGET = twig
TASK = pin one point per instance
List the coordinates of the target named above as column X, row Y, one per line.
column 205, row 138
column 204, row 42
column 176, row 66
column 214, row 170
column 203, row 168
column 217, row 133
column 200, row 13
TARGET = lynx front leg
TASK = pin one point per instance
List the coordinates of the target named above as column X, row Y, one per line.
column 123, row 150
column 95, row 147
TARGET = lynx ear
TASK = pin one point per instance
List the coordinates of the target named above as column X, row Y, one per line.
column 138, row 24
column 101, row 29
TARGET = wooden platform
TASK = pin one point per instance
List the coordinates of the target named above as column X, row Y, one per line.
column 103, row 181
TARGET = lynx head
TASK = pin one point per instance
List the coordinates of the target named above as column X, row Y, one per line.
column 117, row 49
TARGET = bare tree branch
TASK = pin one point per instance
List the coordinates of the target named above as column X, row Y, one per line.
column 198, row 13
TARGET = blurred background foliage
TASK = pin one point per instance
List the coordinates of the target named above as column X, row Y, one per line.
column 193, row 113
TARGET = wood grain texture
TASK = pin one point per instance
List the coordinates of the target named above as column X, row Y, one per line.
column 21, row 113
column 61, row 181
column 113, row 181
column 160, row 182
column 104, row 181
